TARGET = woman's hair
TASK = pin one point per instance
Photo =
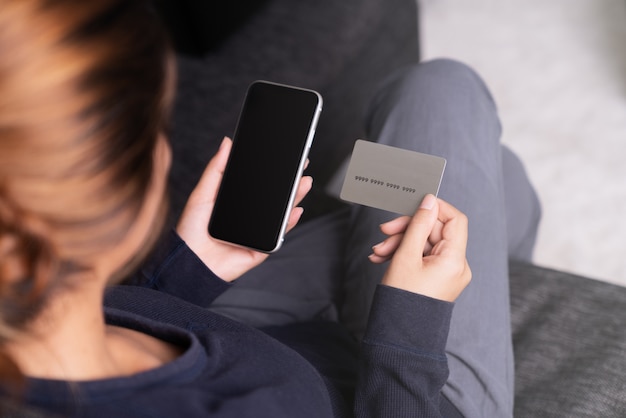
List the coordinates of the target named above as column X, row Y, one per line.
column 84, row 92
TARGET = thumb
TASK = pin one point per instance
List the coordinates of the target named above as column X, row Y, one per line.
column 209, row 183
column 420, row 227
column 200, row 203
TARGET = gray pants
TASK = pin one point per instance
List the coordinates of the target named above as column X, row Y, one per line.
column 441, row 108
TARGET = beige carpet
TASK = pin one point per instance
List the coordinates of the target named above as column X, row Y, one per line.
column 557, row 69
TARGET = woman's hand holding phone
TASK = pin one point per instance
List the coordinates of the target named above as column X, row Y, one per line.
column 226, row 261
column 427, row 251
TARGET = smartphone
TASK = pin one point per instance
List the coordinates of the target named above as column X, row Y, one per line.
column 270, row 146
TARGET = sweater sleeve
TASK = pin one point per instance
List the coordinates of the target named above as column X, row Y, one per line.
column 175, row 269
column 403, row 365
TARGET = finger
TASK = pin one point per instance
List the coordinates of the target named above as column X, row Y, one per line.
column 294, row 217
column 428, row 247
column 200, row 203
column 420, row 227
column 376, row 259
column 304, row 187
column 388, row 247
column 454, row 227
column 436, row 234
column 395, row 226
column 306, row 183
column 212, row 176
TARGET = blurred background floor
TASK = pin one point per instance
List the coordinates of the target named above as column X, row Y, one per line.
column 557, row 70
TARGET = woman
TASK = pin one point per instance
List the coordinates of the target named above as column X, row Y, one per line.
column 84, row 99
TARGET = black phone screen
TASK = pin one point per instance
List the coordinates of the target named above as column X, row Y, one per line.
column 270, row 142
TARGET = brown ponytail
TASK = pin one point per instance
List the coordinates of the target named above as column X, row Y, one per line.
column 84, row 92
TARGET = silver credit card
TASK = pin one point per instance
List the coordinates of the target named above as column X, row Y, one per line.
column 389, row 178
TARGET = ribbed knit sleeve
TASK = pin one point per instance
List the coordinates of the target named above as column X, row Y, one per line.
column 403, row 363
column 175, row 269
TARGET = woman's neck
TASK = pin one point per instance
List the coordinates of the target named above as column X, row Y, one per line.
column 71, row 341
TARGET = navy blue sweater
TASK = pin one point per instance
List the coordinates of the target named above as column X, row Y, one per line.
column 231, row 370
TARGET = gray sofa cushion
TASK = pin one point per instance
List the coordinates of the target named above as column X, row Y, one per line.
column 569, row 336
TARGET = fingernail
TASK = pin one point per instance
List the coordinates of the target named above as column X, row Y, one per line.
column 428, row 202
